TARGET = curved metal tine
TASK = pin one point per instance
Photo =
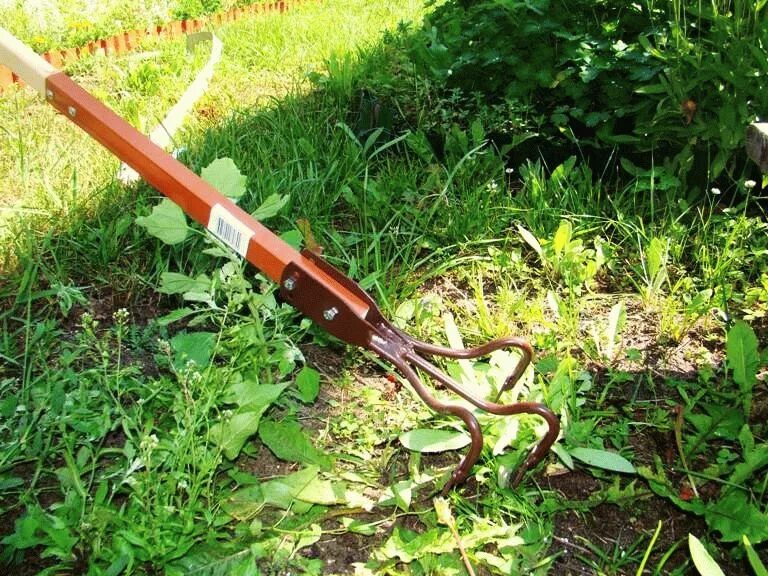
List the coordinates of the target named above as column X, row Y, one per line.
column 526, row 355
column 440, row 376
column 476, row 434
column 538, row 452
column 536, row 408
column 403, row 359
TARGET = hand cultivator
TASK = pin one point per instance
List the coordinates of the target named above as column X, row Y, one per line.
column 317, row 289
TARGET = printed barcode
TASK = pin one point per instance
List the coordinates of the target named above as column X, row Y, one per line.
column 228, row 233
column 229, row 229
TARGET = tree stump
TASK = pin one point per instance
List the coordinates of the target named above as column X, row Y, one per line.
column 757, row 144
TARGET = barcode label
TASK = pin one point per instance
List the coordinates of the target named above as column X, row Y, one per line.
column 229, row 229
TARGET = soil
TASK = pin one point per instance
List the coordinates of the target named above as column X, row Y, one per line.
column 591, row 537
column 339, row 553
column 580, row 530
column 621, row 529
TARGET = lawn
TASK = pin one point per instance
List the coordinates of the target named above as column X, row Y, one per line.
column 582, row 185
column 46, row 25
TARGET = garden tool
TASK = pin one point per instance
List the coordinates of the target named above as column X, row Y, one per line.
column 331, row 299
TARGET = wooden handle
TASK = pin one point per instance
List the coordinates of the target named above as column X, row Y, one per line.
column 24, row 61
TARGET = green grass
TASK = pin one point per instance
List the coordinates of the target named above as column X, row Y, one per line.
column 69, row 23
column 208, row 429
column 55, row 169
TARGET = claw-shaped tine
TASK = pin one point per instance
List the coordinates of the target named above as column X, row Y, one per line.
column 540, row 450
column 526, row 355
column 537, row 453
column 475, row 433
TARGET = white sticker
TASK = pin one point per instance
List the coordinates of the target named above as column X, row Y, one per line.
column 229, row 229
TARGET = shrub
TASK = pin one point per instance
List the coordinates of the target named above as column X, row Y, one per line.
column 681, row 80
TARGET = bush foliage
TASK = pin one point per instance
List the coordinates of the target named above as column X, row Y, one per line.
column 679, row 79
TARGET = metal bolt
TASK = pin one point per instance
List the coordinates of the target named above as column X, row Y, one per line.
column 72, row 111
column 330, row 314
column 49, row 94
column 289, row 284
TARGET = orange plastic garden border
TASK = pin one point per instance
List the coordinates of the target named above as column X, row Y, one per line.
column 131, row 39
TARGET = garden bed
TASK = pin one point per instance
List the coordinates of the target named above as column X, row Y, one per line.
column 163, row 411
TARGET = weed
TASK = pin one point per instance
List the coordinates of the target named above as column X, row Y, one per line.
column 189, row 436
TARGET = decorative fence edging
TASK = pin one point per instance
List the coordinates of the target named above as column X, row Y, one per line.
column 130, row 39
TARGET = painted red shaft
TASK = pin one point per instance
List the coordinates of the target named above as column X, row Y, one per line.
column 194, row 195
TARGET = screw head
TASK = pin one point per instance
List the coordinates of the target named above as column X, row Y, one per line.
column 49, row 94
column 331, row 313
column 72, row 111
column 289, row 284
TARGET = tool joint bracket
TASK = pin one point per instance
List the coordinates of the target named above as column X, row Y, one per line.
column 334, row 302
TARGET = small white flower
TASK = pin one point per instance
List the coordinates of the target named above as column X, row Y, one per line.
column 715, row 191
column 509, row 170
column 149, row 442
column 749, row 184
column 164, row 346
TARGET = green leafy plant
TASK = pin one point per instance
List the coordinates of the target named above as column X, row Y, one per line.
column 575, row 63
column 654, row 273
column 704, row 563
column 707, row 566
column 566, row 258
column 743, row 361
column 606, row 337
column 737, row 511
column 573, row 266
